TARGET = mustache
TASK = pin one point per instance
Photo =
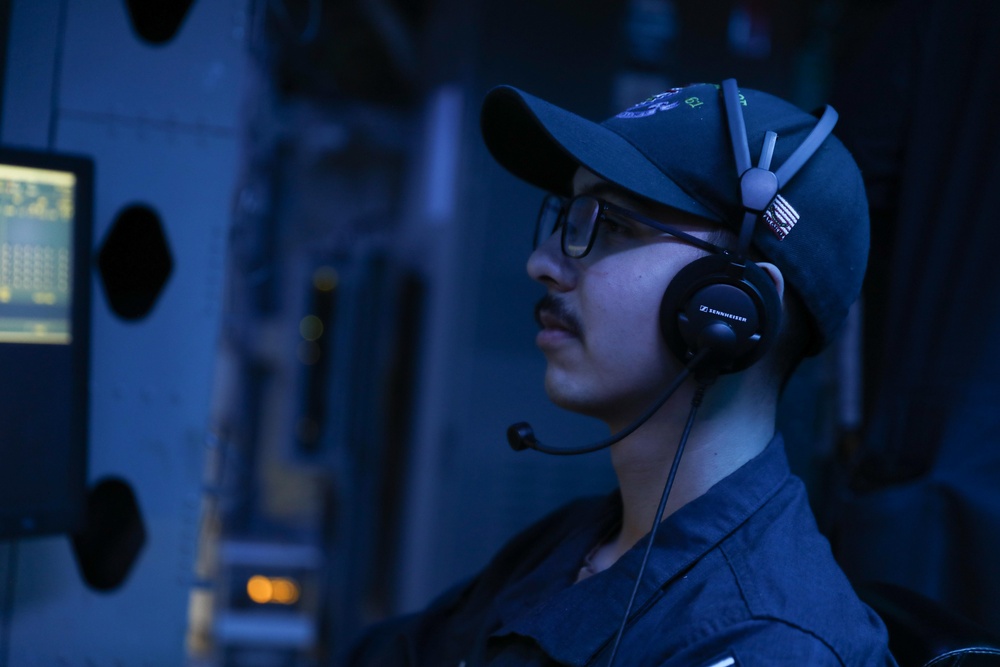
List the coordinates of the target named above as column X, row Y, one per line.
column 557, row 309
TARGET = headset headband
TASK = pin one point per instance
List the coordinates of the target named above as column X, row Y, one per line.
column 759, row 185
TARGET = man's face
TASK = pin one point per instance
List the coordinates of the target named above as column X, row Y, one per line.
column 600, row 316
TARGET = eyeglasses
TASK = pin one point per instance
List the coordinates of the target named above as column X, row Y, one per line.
column 578, row 219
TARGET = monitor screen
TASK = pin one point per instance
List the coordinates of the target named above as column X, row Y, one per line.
column 36, row 243
column 45, row 229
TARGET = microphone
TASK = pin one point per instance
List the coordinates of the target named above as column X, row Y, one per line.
column 521, row 436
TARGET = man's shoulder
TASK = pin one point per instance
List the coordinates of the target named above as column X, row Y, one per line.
column 767, row 608
column 788, row 578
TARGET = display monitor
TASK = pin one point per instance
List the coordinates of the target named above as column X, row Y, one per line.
column 45, row 230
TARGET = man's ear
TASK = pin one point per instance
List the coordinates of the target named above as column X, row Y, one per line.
column 776, row 277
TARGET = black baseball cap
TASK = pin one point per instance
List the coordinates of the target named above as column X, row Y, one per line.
column 674, row 149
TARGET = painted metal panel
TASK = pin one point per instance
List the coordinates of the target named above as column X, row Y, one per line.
column 160, row 123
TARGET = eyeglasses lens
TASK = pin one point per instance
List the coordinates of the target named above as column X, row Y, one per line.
column 580, row 220
column 548, row 219
column 576, row 220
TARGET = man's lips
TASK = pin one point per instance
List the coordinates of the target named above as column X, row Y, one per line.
column 553, row 316
column 550, row 321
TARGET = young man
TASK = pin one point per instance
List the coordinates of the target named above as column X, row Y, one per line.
column 680, row 253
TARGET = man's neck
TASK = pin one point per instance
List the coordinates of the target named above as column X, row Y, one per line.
column 722, row 439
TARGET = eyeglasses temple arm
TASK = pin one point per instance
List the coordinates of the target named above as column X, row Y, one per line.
column 684, row 236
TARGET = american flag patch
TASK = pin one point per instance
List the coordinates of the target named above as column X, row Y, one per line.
column 780, row 217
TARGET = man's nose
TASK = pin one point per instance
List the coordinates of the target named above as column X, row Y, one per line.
column 549, row 266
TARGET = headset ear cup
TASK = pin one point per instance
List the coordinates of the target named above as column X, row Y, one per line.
column 714, row 302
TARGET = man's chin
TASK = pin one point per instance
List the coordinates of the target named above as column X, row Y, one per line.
column 574, row 399
column 596, row 401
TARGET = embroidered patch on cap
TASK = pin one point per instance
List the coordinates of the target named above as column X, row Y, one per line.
column 663, row 102
column 781, row 217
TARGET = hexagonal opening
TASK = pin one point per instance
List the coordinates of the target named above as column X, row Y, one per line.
column 157, row 21
column 134, row 262
column 112, row 537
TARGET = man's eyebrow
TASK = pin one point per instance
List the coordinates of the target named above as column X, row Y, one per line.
column 622, row 198
column 600, row 190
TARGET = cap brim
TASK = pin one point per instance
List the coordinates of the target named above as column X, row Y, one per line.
column 544, row 145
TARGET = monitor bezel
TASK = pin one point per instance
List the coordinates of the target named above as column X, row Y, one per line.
column 64, row 512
